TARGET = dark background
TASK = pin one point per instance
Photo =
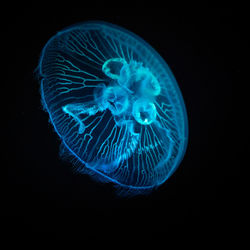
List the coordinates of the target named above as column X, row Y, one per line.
column 205, row 48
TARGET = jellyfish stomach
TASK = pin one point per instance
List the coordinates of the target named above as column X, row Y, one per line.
column 116, row 100
column 138, row 80
column 134, row 92
column 144, row 111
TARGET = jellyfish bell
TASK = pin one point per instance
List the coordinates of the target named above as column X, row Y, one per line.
column 115, row 104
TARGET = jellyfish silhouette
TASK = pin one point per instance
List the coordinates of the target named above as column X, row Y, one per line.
column 115, row 105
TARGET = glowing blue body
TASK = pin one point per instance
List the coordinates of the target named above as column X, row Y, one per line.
column 115, row 105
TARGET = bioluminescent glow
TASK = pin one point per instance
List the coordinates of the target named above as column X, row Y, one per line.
column 115, row 105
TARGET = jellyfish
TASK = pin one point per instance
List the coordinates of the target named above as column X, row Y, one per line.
column 115, row 105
